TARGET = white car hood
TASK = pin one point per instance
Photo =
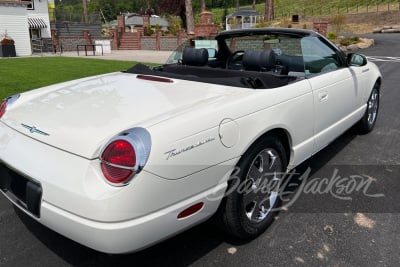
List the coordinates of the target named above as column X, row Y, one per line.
column 81, row 116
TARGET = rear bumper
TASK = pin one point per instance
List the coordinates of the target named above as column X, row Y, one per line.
column 125, row 236
column 77, row 203
column 131, row 235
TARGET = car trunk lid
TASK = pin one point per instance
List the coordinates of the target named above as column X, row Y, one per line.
column 82, row 116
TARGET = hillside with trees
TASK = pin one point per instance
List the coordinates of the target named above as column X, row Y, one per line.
column 72, row 10
column 107, row 10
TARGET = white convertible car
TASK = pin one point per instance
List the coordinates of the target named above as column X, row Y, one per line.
column 121, row 161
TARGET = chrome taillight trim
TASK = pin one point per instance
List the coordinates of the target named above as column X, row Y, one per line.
column 140, row 140
column 11, row 99
column 117, row 166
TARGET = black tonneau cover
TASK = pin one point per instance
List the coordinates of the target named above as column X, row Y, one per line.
column 236, row 78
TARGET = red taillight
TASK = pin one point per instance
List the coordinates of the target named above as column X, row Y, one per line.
column 3, row 107
column 118, row 161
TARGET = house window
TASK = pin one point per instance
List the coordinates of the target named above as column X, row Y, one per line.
column 31, row 4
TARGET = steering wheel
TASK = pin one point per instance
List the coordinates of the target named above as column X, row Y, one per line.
column 235, row 60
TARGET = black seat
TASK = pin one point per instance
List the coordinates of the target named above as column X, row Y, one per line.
column 259, row 60
column 195, row 57
column 291, row 63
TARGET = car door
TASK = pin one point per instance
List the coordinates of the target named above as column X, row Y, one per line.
column 335, row 90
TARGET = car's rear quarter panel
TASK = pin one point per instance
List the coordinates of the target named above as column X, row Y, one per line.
column 255, row 112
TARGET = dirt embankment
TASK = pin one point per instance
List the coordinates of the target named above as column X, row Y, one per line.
column 355, row 23
column 368, row 22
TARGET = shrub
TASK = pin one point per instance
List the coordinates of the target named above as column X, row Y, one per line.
column 263, row 24
column 148, row 31
column 349, row 41
column 345, row 42
column 174, row 24
column 332, row 36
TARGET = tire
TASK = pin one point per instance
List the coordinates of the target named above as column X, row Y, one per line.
column 247, row 210
column 367, row 122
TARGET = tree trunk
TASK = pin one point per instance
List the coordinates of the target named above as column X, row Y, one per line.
column 189, row 17
column 85, row 14
column 203, row 5
column 254, row 4
column 269, row 10
column 237, row 5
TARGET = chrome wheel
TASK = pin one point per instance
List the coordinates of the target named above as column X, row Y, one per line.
column 250, row 205
column 367, row 122
column 262, row 185
column 372, row 110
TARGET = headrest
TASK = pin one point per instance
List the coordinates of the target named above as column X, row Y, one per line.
column 194, row 57
column 259, row 60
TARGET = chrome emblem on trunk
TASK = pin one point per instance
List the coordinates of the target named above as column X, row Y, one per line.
column 33, row 129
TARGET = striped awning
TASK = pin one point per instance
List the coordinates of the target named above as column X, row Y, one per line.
column 36, row 23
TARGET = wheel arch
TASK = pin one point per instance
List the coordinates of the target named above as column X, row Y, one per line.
column 376, row 83
column 379, row 82
column 282, row 134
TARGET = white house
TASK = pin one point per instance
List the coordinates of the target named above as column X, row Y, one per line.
column 243, row 19
column 23, row 21
column 38, row 19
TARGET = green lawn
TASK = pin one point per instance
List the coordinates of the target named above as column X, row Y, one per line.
column 22, row 74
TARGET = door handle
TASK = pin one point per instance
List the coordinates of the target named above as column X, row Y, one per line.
column 323, row 96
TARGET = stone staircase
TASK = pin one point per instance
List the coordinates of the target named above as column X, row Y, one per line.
column 129, row 41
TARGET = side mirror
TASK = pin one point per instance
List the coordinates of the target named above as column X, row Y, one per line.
column 356, row 60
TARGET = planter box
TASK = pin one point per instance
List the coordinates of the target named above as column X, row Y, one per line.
column 7, row 51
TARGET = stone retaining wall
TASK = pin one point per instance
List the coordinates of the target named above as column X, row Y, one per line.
column 148, row 43
column 168, row 43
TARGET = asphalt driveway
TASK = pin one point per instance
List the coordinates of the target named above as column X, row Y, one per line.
column 316, row 230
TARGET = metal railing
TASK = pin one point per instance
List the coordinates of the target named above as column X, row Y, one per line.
column 43, row 45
